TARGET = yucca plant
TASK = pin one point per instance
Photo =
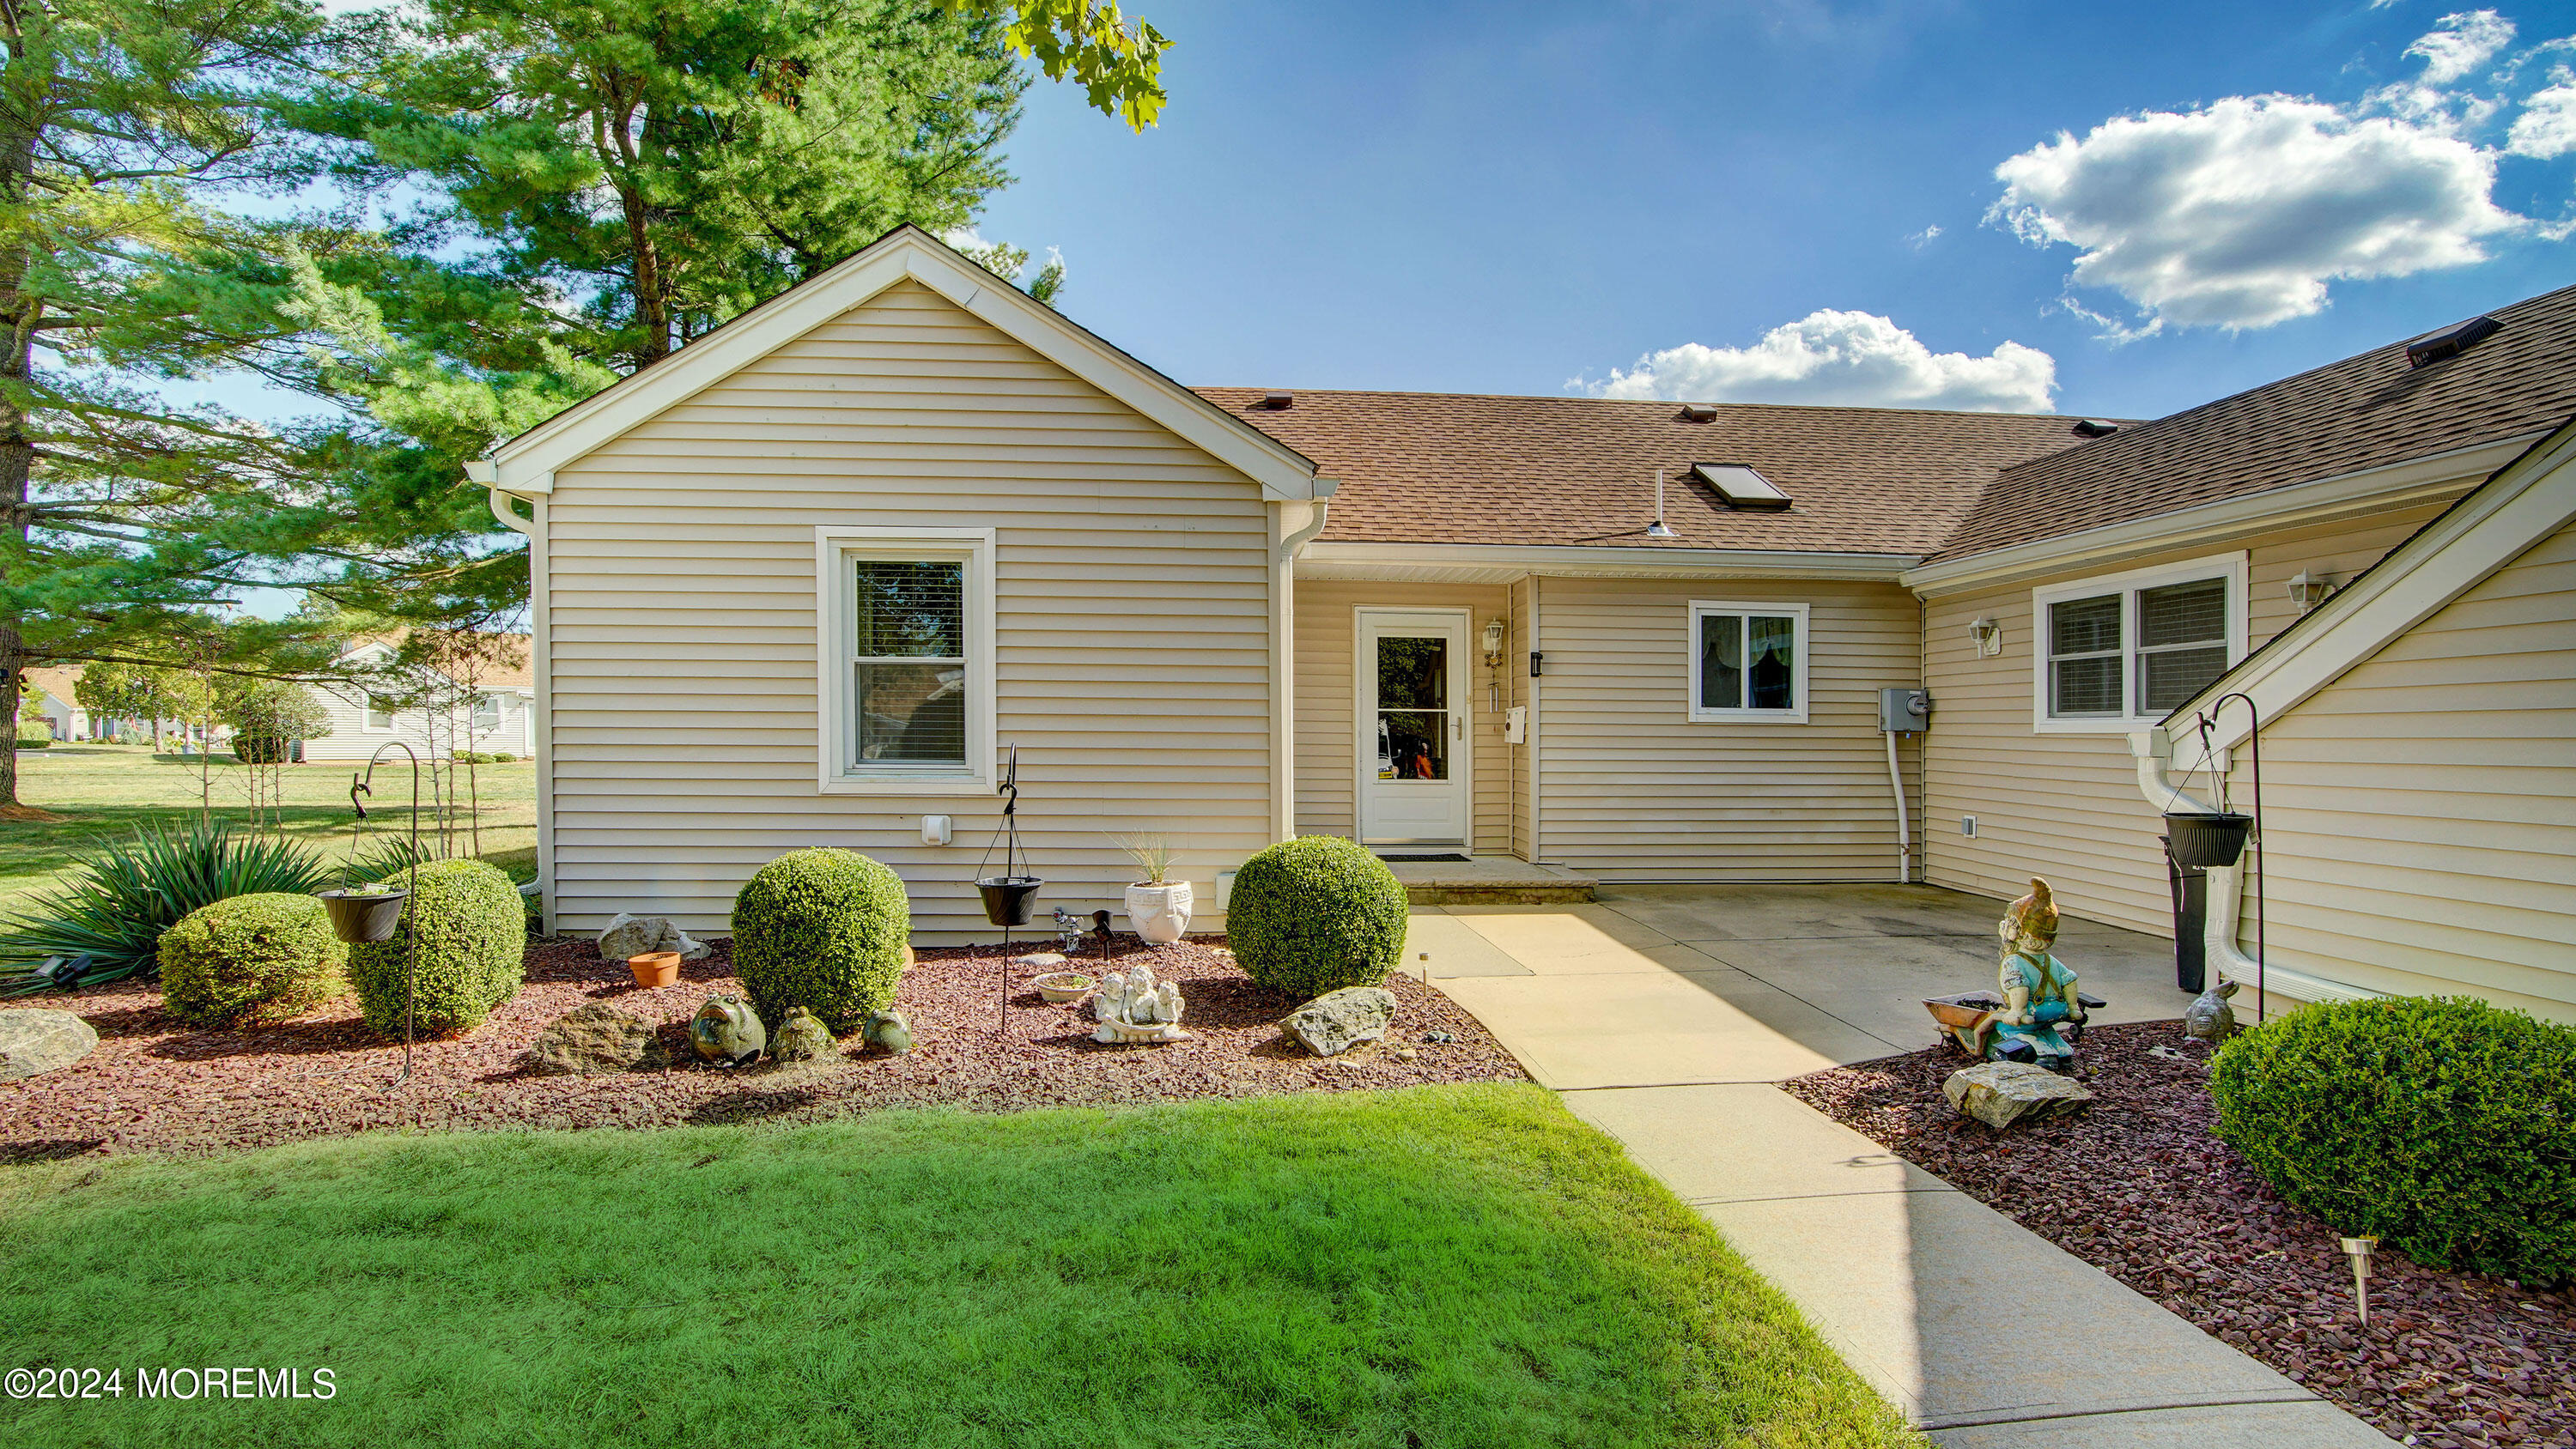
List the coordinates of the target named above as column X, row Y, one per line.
column 131, row 892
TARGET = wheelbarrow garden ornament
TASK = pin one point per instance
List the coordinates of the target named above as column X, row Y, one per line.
column 2039, row 1017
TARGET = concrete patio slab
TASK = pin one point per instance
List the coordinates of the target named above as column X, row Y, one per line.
column 1437, row 944
column 1665, row 1016
column 1653, row 1027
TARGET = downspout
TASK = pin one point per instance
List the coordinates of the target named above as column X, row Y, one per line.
column 1283, row 666
column 541, row 712
column 2153, row 750
column 1904, row 828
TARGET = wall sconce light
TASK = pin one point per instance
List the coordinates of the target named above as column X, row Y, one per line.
column 1989, row 637
column 2308, row 590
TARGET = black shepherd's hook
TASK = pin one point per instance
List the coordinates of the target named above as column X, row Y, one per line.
column 2206, row 721
column 411, row 935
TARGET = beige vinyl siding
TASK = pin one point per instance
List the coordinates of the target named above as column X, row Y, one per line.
column 1327, row 763
column 1522, row 692
column 1131, row 604
column 1632, row 790
column 2420, row 812
column 2066, row 806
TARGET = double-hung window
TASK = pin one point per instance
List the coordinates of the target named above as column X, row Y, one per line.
column 380, row 712
column 2118, row 652
column 487, row 712
column 907, row 667
column 1748, row 662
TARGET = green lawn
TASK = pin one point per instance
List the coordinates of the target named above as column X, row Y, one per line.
column 104, row 791
column 1460, row 1266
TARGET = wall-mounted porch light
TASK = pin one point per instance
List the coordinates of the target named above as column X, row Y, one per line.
column 1988, row 637
column 2308, row 590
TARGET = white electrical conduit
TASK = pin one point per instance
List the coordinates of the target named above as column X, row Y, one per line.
column 1904, row 828
column 2226, row 898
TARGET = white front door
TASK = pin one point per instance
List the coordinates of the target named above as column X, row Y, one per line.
column 1411, row 696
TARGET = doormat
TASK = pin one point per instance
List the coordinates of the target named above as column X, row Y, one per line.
column 1425, row 859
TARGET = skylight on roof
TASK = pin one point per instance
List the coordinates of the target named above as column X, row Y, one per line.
column 1740, row 486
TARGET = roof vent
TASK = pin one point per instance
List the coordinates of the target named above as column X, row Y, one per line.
column 1699, row 413
column 1741, row 487
column 1278, row 401
column 2450, row 342
column 2095, row 427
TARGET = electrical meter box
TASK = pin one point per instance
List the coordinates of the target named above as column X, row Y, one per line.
column 1904, row 711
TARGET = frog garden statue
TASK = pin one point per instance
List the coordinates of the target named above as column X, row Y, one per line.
column 727, row 1030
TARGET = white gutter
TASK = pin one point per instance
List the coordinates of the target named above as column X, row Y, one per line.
column 2226, row 899
column 1589, row 560
column 2316, row 501
column 1295, row 544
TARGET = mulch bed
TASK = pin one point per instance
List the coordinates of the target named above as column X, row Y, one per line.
column 2141, row 1187
column 155, row 1085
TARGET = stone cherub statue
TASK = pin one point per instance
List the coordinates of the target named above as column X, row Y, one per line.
column 1133, row 1006
column 2043, row 1015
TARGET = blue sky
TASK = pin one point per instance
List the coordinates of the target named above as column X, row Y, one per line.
column 1507, row 198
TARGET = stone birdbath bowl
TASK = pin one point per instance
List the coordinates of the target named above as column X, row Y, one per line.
column 1061, row 987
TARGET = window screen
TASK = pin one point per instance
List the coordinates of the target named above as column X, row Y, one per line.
column 908, row 665
column 2182, row 642
column 1748, row 662
column 2084, row 656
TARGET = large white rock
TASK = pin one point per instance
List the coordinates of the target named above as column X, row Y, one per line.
column 1337, row 1021
column 2002, row 1093
column 631, row 935
column 34, row 1042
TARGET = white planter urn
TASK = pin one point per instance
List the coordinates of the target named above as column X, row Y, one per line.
column 1160, row 913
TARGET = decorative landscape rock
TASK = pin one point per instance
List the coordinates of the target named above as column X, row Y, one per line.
column 631, row 935
column 2000, row 1094
column 1133, row 1007
column 802, row 1037
column 726, row 1029
column 595, row 1040
column 889, row 1030
column 35, row 1042
column 1336, row 1021
column 1039, row 961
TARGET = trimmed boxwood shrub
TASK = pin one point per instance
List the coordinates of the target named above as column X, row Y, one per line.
column 473, row 938
column 251, row 958
column 823, row 929
column 2444, row 1127
column 1316, row 914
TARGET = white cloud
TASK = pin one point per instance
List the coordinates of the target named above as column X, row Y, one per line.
column 1847, row 358
column 2547, row 125
column 2461, row 44
column 1921, row 239
column 2239, row 214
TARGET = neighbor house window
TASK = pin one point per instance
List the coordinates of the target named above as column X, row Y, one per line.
column 908, row 665
column 2127, row 650
column 1748, row 662
column 487, row 712
column 380, row 712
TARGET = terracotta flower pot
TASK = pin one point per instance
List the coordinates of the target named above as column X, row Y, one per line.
column 655, row 968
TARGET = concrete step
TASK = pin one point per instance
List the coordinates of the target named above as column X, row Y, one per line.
column 1490, row 881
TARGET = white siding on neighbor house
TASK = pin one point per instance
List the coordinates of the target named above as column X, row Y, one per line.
column 2419, row 813
column 352, row 738
column 1327, row 767
column 1632, row 790
column 2066, row 806
column 1132, row 583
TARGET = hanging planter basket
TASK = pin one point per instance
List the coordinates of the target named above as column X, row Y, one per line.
column 1007, row 898
column 2207, row 841
column 358, row 917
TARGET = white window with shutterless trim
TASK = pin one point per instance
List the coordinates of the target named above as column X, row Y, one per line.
column 1748, row 662
column 2122, row 650
column 905, row 674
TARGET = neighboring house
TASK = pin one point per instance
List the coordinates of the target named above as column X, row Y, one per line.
column 497, row 720
column 51, row 687
column 803, row 582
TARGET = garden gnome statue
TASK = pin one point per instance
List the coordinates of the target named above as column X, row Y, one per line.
column 2042, row 1018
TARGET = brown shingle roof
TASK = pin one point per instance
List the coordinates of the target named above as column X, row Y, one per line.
column 1462, row 469
column 2364, row 412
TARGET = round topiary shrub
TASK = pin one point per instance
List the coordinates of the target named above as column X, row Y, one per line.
column 251, row 958
column 2443, row 1127
column 822, row 929
column 473, row 938
column 1316, row 914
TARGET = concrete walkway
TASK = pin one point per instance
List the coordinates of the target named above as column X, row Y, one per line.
column 1664, row 1015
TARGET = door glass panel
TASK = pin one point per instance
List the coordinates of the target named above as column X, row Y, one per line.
column 1412, row 744
column 1412, row 708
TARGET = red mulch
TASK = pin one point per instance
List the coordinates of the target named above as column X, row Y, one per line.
column 155, row 1085
column 2140, row 1186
